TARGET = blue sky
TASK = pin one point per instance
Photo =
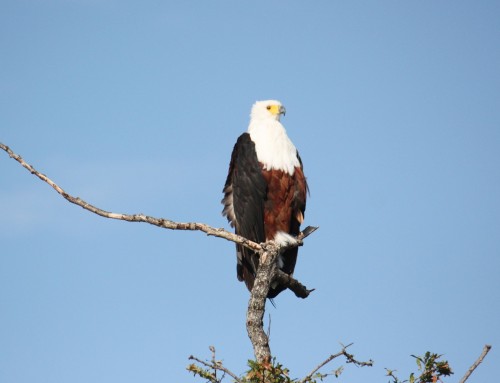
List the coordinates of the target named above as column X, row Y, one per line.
column 135, row 107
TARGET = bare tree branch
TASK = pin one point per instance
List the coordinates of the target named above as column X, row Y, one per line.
column 486, row 349
column 298, row 288
column 160, row 222
column 266, row 273
column 349, row 357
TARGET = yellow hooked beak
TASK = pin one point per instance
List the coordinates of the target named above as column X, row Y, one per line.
column 276, row 109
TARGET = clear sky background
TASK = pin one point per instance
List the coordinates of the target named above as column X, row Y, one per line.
column 135, row 107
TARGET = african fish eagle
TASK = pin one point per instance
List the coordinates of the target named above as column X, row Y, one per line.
column 265, row 191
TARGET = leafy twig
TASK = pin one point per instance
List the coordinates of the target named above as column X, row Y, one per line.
column 214, row 365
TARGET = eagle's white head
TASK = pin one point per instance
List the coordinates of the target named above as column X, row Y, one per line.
column 274, row 148
column 265, row 110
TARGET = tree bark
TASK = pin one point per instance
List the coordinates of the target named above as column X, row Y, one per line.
column 257, row 303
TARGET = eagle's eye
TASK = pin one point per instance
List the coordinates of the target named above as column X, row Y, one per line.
column 268, row 107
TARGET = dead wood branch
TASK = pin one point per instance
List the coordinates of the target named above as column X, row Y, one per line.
column 349, row 358
column 266, row 272
column 486, row 349
column 294, row 285
column 160, row 222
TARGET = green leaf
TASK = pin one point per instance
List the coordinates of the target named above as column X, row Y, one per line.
column 419, row 363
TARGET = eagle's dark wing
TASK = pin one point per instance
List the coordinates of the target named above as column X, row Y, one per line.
column 244, row 195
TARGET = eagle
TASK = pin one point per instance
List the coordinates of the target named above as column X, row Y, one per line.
column 265, row 191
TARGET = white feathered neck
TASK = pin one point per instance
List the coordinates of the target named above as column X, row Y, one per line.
column 274, row 149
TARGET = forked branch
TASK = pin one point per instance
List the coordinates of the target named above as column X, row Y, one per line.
column 349, row 359
column 266, row 273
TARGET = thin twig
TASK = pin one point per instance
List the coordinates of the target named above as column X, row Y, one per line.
column 268, row 334
column 486, row 349
column 349, row 357
column 212, row 349
column 328, row 360
column 216, row 366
